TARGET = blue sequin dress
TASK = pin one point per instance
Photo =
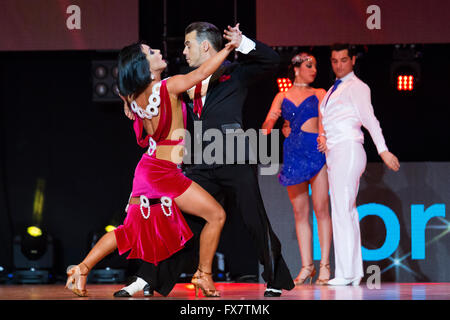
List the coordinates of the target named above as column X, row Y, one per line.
column 301, row 159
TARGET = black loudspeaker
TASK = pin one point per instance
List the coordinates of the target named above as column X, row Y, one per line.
column 104, row 81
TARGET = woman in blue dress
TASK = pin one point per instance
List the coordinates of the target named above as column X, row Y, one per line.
column 303, row 164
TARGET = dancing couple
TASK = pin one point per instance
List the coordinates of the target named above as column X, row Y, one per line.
column 154, row 229
column 324, row 149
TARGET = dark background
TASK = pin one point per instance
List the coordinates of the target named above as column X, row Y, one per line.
column 51, row 130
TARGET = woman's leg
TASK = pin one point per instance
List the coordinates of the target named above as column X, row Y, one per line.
column 321, row 202
column 77, row 275
column 101, row 249
column 196, row 201
column 298, row 194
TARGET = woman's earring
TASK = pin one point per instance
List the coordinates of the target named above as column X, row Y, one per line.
column 152, row 76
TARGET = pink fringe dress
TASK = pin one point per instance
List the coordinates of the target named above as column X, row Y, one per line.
column 155, row 229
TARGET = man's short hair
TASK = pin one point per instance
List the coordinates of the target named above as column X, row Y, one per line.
column 206, row 31
column 344, row 46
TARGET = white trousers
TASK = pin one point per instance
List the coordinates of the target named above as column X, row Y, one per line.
column 346, row 162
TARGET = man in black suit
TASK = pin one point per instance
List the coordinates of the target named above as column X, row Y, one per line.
column 220, row 110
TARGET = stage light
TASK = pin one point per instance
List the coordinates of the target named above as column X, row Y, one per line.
column 405, row 68
column 34, row 231
column 111, row 269
column 284, row 84
column 405, row 82
column 32, row 256
column 110, row 228
column 34, row 243
column 3, row 275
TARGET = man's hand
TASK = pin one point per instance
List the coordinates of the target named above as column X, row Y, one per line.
column 322, row 144
column 126, row 109
column 234, row 37
column 390, row 160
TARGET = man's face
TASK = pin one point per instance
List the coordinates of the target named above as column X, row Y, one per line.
column 192, row 49
column 341, row 63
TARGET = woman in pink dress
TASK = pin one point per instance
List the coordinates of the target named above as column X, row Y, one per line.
column 154, row 228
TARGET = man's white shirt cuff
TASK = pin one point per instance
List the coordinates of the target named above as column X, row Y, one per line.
column 246, row 45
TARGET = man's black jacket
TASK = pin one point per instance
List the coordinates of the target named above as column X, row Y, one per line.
column 225, row 98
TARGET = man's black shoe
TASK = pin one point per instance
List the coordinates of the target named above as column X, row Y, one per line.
column 272, row 292
column 148, row 292
column 121, row 294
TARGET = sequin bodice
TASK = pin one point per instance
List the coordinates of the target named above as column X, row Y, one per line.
column 301, row 159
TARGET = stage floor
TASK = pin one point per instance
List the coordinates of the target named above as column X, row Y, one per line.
column 240, row 291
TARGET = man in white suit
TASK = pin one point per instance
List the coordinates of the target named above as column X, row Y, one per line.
column 345, row 108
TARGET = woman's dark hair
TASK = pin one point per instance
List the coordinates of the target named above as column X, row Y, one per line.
column 134, row 70
column 206, row 31
column 344, row 46
column 296, row 62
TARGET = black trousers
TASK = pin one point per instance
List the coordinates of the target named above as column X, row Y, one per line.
column 240, row 183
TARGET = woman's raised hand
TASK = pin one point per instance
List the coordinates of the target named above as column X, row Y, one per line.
column 234, row 37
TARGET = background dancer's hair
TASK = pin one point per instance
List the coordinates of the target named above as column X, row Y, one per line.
column 344, row 46
column 296, row 62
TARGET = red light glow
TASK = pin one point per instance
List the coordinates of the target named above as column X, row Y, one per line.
column 405, row 83
column 284, row 84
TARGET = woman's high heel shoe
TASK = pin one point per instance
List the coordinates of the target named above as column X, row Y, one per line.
column 323, row 281
column 312, row 273
column 77, row 280
column 199, row 280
